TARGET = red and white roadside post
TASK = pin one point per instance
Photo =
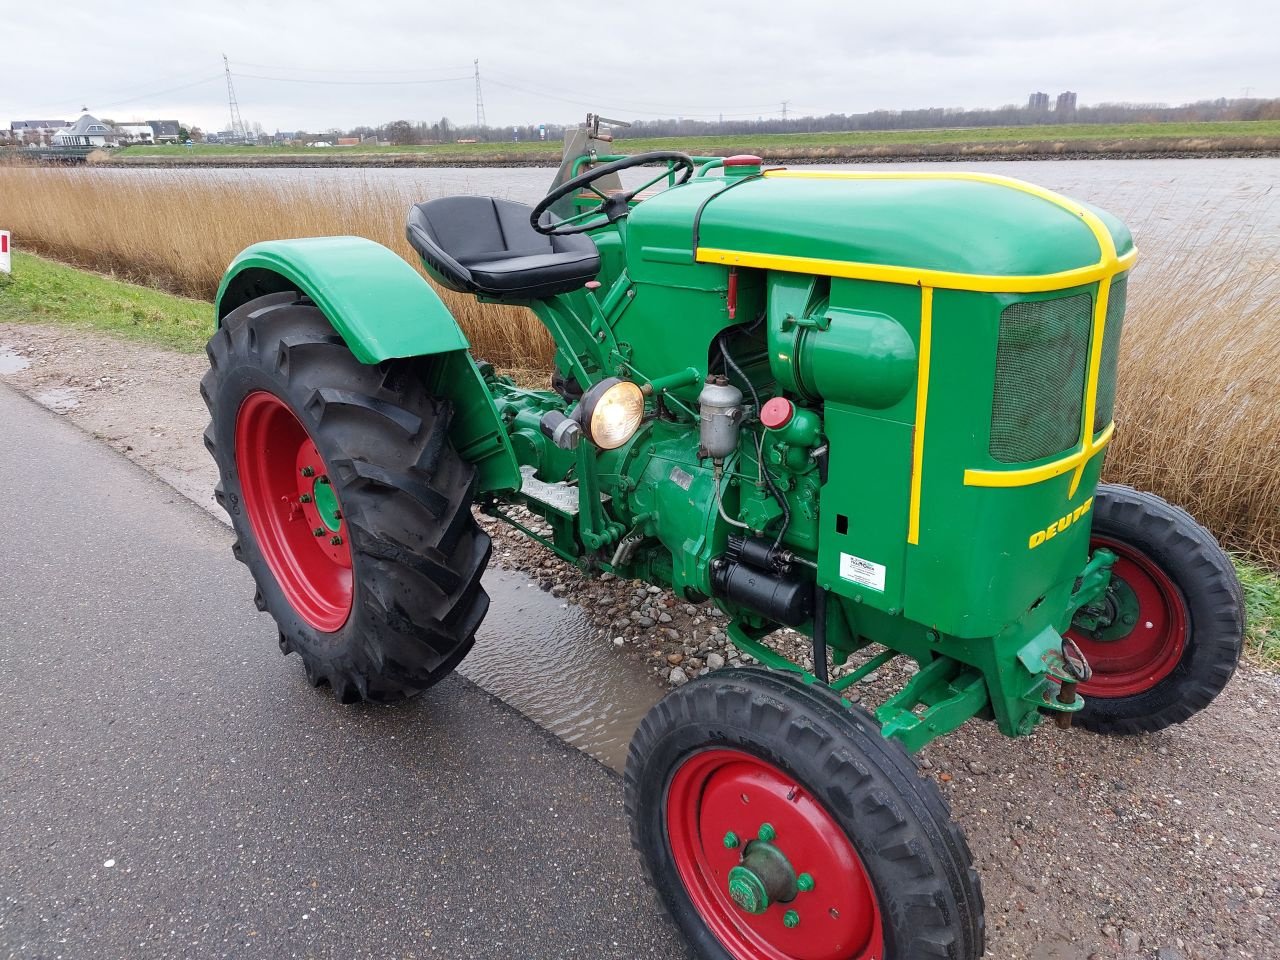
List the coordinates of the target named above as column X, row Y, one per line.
column 6, row 258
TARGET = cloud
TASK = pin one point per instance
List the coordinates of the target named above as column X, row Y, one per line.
column 314, row 66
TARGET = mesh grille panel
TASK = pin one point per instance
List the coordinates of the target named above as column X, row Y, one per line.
column 1041, row 362
column 1110, row 354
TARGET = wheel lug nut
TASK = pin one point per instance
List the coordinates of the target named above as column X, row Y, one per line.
column 730, row 840
column 323, row 478
column 308, row 471
column 790, row 919
column 766, row 833
column 305, row 498
column 336, row 541
column 318, row 531
column 804, row 883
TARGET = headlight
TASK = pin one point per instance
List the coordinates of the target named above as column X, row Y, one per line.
column 610, row 412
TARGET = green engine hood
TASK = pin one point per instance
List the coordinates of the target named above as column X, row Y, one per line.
column 940, row 223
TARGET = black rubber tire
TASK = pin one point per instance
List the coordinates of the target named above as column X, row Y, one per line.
column 1213, row 602
column 917, row 858
column 417, row 551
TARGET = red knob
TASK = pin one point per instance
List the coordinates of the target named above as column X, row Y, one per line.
column 743, row 160
column 777, row 413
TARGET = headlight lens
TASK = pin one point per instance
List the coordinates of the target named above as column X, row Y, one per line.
column 611, row 412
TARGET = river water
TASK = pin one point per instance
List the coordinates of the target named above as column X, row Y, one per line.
column 540, row 654
column 1165, row 202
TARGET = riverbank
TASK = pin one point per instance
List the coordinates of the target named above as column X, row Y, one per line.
column 1049, row 142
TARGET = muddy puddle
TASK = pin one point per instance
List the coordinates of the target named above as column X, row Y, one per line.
column 542, row 656
column 11, row 362
column 59, row 399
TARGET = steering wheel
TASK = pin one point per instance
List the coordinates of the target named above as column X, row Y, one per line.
column 613, row 207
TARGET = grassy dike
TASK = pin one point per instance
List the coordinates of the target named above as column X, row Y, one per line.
column 1071, row 138
column 46, row 292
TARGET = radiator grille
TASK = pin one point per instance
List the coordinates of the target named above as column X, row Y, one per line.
column 1110, row 355
column 1041, row 361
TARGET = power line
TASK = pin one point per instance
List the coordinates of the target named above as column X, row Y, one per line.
column 352, row 83
column 339, row 70
column 479, row 99
column 159, row 93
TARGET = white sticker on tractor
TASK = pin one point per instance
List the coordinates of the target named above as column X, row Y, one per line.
column 862, row 571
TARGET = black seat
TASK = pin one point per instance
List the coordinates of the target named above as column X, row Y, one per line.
column 487, row 246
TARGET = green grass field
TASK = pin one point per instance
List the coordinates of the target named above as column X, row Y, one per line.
column 1262, row 600
column 43, row 291
column 780, row 141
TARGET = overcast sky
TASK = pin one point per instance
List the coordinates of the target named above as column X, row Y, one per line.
column 551, row 60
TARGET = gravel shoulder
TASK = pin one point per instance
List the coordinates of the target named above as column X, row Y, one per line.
column 1162, row 846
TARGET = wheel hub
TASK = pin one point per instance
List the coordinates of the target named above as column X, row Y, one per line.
column 797, row 891
column 326, row 502
column 293, row 511
column 1137, row 635
column 764, row 877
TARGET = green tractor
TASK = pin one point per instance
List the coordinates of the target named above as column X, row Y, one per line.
column 872, row 407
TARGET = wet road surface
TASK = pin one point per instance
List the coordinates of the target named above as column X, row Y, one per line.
column 171, row 786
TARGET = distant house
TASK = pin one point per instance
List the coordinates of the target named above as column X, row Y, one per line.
column 35, row 133
column 164, row 131
column 86, row 132
column 348, row 141
column 133, row 133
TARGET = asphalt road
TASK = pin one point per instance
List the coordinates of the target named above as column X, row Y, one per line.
column 170, row 786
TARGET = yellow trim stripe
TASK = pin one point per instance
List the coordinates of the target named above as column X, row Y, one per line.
column 922, row 399
column 1075, row 460
column 1091, row 384
column 916, row 276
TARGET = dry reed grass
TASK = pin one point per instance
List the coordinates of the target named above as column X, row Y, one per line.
column 1199, row 397
column 178, row 232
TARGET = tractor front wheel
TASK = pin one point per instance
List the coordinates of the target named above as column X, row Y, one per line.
column 776, row 823
column 1167, row 636
column 351, row 508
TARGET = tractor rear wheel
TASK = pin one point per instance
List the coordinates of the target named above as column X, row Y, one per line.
column 1172, row 624
column 776, row 823
column 351, row 508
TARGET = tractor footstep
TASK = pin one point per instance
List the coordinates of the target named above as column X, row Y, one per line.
column 558, row 496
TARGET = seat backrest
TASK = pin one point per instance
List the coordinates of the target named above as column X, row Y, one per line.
column 456, row 235
column 481, row 228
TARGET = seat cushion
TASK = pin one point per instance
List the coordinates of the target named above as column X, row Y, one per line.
column 487, row 246
column 537, row 275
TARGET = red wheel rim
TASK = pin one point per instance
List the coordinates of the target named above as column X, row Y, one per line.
column 720, row 792
column 1140, row 659
column 281, row 473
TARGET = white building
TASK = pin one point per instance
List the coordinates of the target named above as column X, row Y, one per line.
column 86, row 132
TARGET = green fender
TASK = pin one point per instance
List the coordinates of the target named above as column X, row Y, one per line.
column 383, row 310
